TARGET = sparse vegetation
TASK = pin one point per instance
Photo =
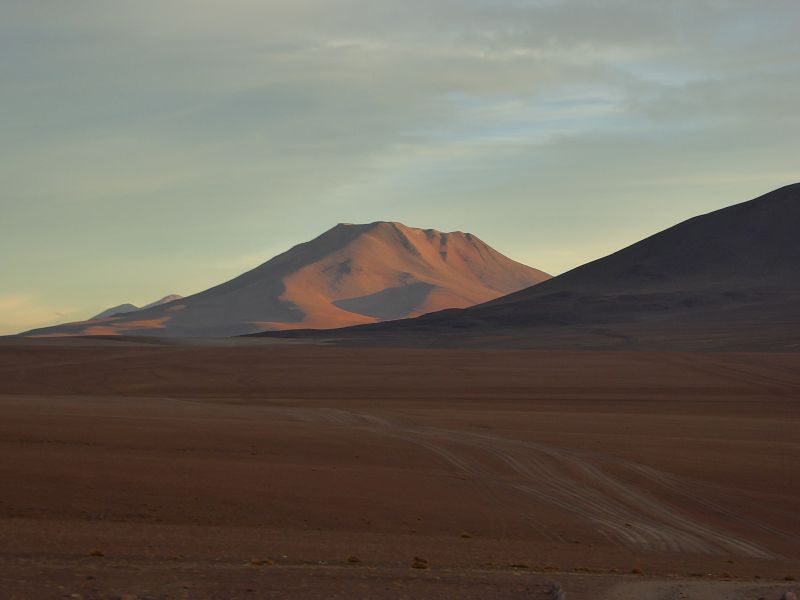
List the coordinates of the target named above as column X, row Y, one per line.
column 589, row 570
column 419, row 563
column 557, row 593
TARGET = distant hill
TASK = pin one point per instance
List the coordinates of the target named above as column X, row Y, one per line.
column 349, row 275
column 729, row 279
column 115, row 310
column 126, row 308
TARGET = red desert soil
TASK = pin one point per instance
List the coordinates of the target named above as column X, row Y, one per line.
column 258, row 471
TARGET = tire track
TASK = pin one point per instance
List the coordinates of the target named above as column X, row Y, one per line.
column 569, row 480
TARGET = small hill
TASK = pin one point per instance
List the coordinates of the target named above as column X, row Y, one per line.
column 126, row 308
column 115, row 310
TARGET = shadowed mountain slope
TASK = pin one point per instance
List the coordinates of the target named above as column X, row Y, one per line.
column 729, row 279
column 351, row 274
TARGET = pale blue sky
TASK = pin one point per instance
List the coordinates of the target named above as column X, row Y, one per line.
column 163, row 146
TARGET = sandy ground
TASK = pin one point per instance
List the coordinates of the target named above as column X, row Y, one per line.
column 159, row 471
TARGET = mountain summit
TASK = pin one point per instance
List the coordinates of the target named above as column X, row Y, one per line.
column 351, row 274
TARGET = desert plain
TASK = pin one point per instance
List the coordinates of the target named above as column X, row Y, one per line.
column 271, row 469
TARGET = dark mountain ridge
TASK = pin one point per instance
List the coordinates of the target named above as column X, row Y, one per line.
column 729, row 279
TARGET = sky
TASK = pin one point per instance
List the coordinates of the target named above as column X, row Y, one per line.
column 164, row 146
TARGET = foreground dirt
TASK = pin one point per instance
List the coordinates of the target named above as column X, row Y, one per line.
column 311, row 472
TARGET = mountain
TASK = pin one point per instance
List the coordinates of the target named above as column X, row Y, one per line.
column 126, row 308
column 726, row 280
column 351, row 274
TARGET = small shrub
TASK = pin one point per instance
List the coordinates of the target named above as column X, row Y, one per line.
column 557, row 593
column 419, row 563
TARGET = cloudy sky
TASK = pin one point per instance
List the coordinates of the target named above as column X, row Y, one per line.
column 162, row 146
